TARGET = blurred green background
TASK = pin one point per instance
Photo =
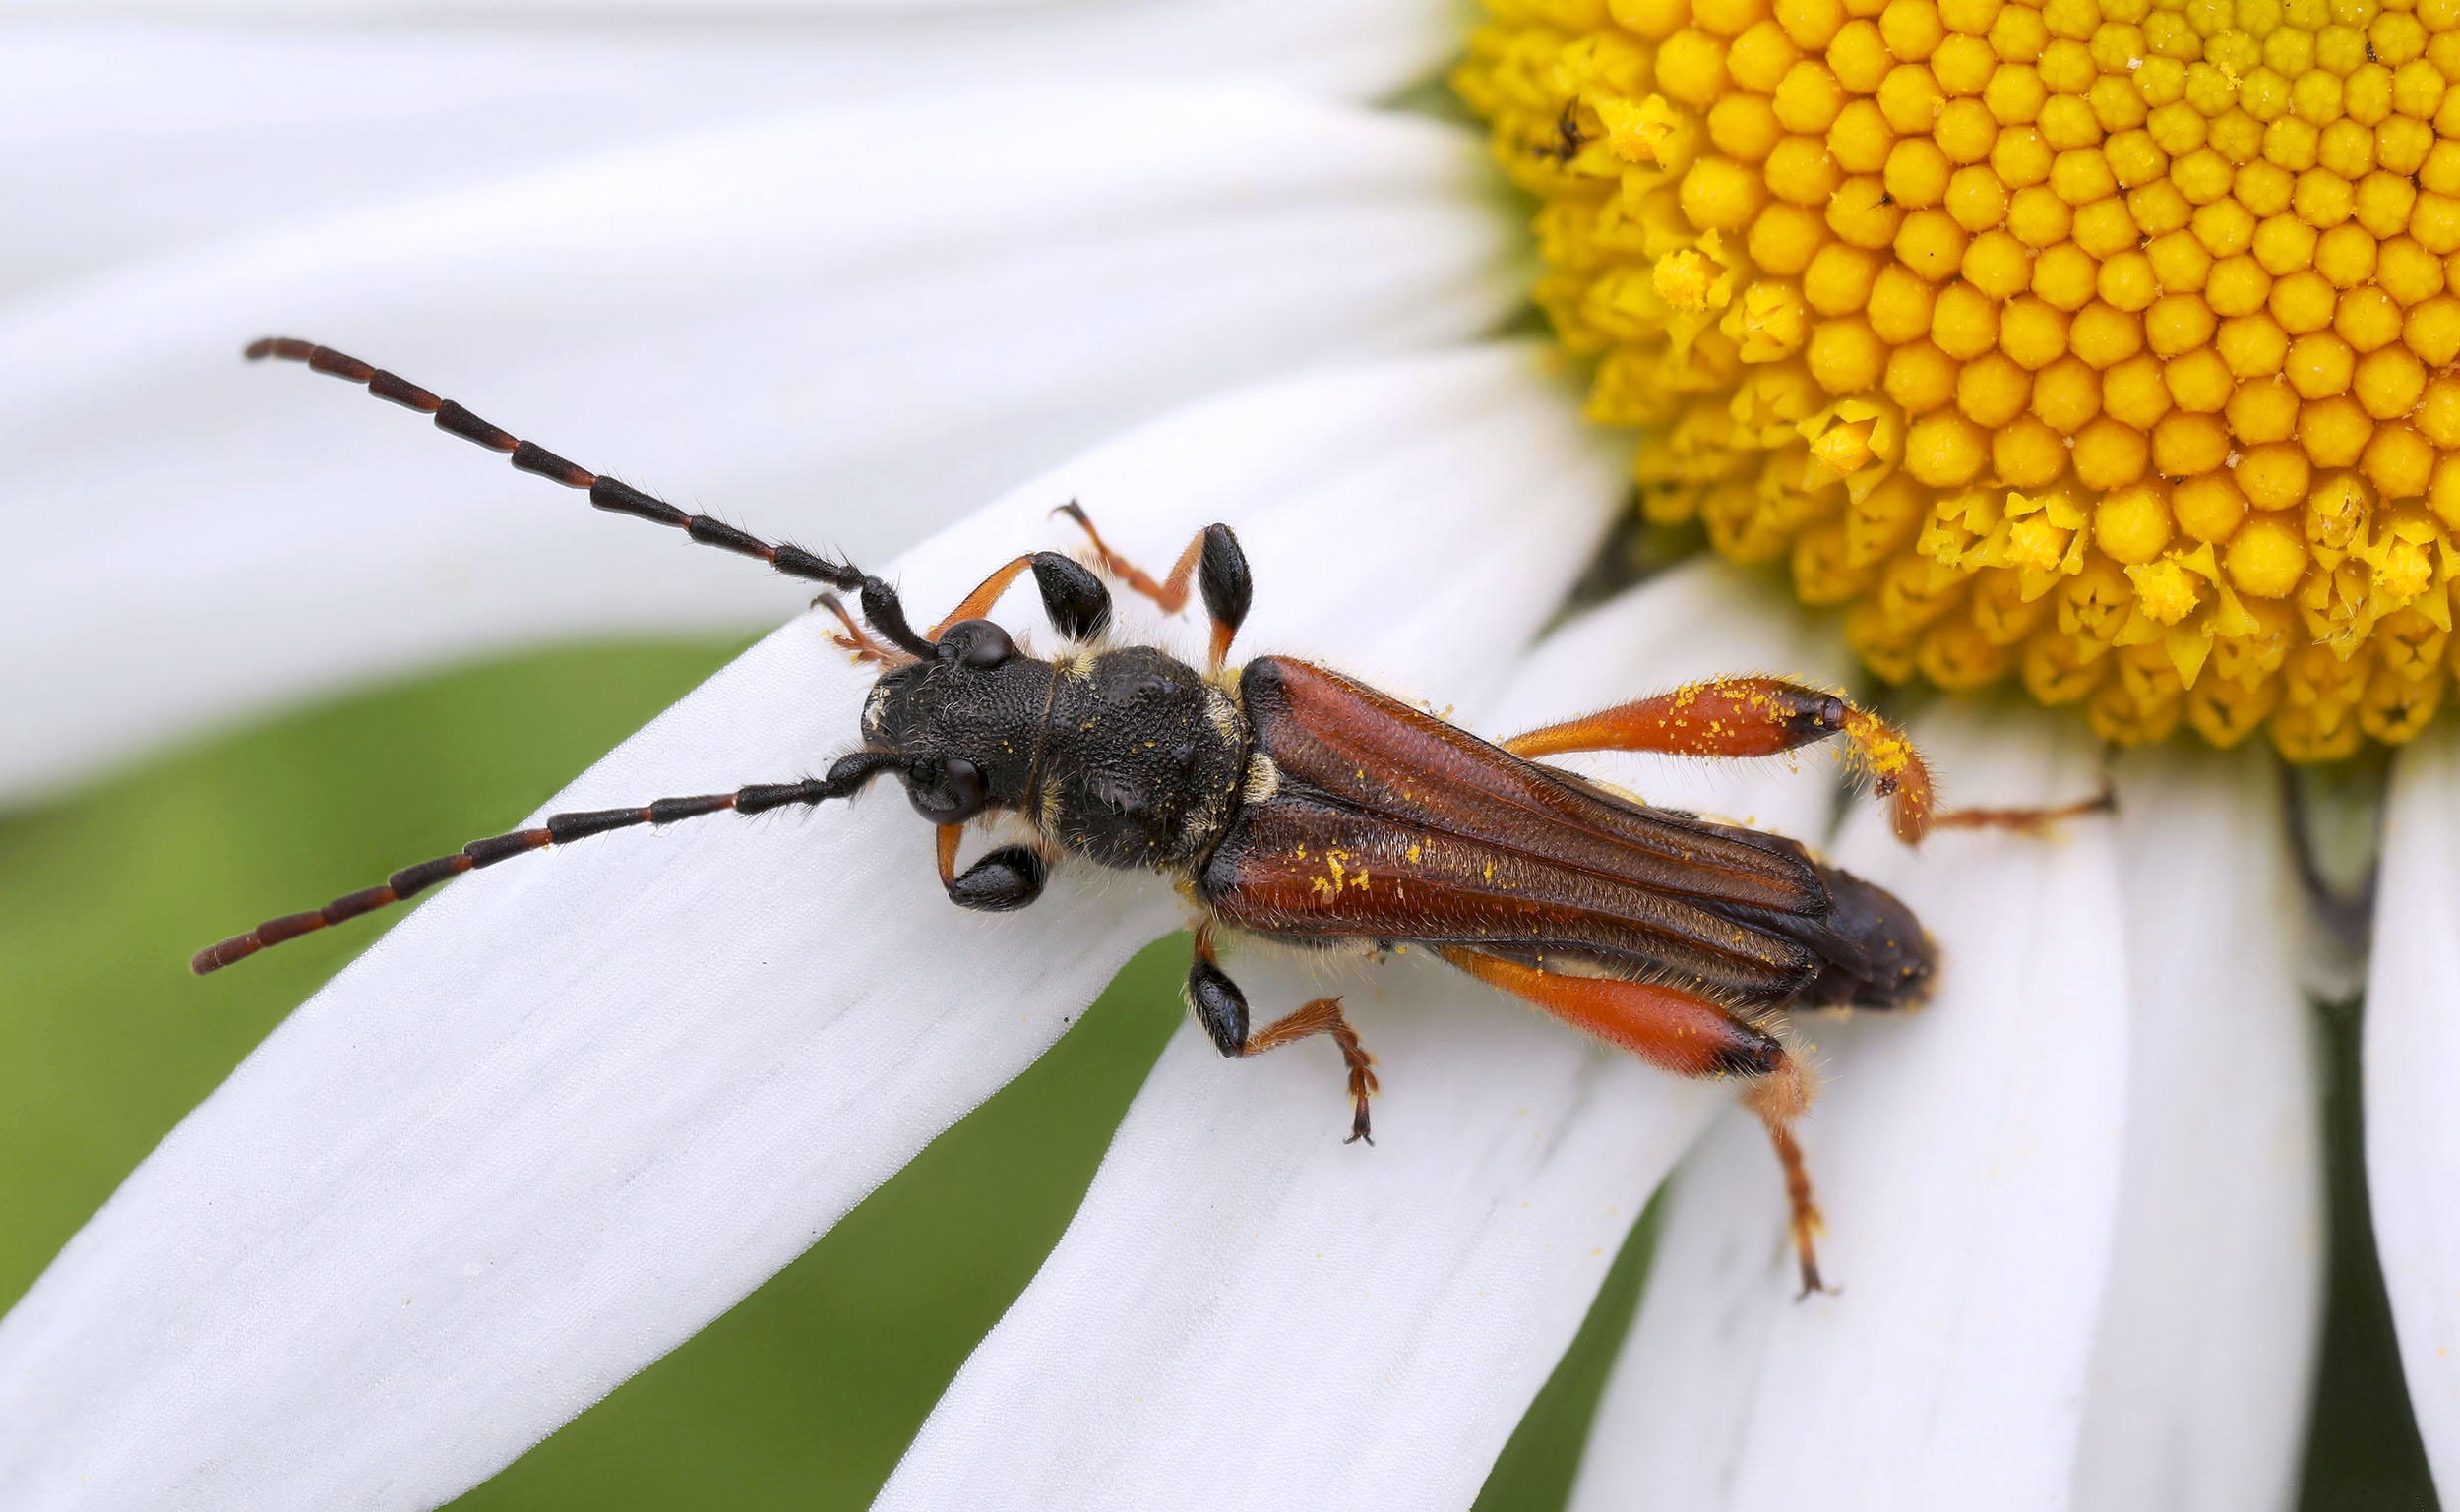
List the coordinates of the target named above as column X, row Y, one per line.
column 805, row 1394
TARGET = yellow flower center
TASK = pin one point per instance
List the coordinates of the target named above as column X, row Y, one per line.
column 2101, row 343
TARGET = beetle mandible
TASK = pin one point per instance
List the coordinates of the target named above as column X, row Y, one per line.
column 1289, row 801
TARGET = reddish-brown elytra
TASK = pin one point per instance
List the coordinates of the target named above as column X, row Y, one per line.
column 1292, row 801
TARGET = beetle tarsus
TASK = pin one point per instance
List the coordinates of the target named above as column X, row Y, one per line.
column 852, row 637
column 1323, row 1016
column 2026, row 821
column 1221, row 1008
column 1779, row 1097
column 1811, row 1285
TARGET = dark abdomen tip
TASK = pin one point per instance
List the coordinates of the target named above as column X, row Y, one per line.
column 1878, row 955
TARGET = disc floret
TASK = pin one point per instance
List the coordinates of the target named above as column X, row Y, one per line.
column 2104, row 346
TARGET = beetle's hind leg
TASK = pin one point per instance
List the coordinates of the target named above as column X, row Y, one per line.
column 1323, row 1016
column 1756, row 716
column 1687, row 1034
column 1222, row 1010
column 1212, row 559
column 1778, row 1099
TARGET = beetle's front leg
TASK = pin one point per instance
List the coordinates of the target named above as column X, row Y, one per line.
column 1213, row 560
column 1222, row 1010
column 855, row 639
column 1756, row 716
column 1075, row 599
column 1006, row 880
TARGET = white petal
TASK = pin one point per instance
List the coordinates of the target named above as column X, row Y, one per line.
column 810, row 324
column 135, row 137
column 948, row 15
column 2412, row 1055
column 1246, row 1312
column 1967, row 1162
column 576, row 1107
column 2208, row 1333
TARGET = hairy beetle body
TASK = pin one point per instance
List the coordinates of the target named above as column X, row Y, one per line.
column 1143, row 760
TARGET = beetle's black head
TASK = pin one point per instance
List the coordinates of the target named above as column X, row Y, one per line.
column 967, row 720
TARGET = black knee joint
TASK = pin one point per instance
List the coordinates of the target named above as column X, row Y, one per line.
column 1008, row 879
column 1809, row 715
column 887, row 614
column 1757, row 1056
column 1075, row 599
column 1219, row 1006
column 1221, row 576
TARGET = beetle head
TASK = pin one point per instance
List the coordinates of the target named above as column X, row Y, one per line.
column 967, row 720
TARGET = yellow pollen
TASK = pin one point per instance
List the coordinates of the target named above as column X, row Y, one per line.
column 2106, row 346
column 1844, row 449
column 2166, row 591
column 1639, row 132
column 1683, row 280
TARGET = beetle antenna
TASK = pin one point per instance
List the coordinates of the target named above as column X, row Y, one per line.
column 880, row 601
column 844, row 779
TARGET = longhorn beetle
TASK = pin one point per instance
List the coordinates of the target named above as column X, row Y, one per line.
column 1293, row 802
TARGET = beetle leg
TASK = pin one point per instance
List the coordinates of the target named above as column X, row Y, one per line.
column 1072, row 596
column 1323, row 1016
column 1686, row 1033
column 2026, row 821
column 1005, row 879
column 1212, row 559
column 855, row 639
column 1075, row 600
column 1756, row 716
column 1222, row 1010
column 1229, row 589
column 1171, row 593
column 978, row 603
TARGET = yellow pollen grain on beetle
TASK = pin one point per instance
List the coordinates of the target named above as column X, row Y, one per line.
column 2105, row 347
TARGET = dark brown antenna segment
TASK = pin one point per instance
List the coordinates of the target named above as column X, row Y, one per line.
column 880, row 601
column 843, row 780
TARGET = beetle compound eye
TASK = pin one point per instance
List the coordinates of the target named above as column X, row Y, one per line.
column 977, row 643
column 948, row 792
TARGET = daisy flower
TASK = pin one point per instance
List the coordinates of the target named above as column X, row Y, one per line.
column 849, row 271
